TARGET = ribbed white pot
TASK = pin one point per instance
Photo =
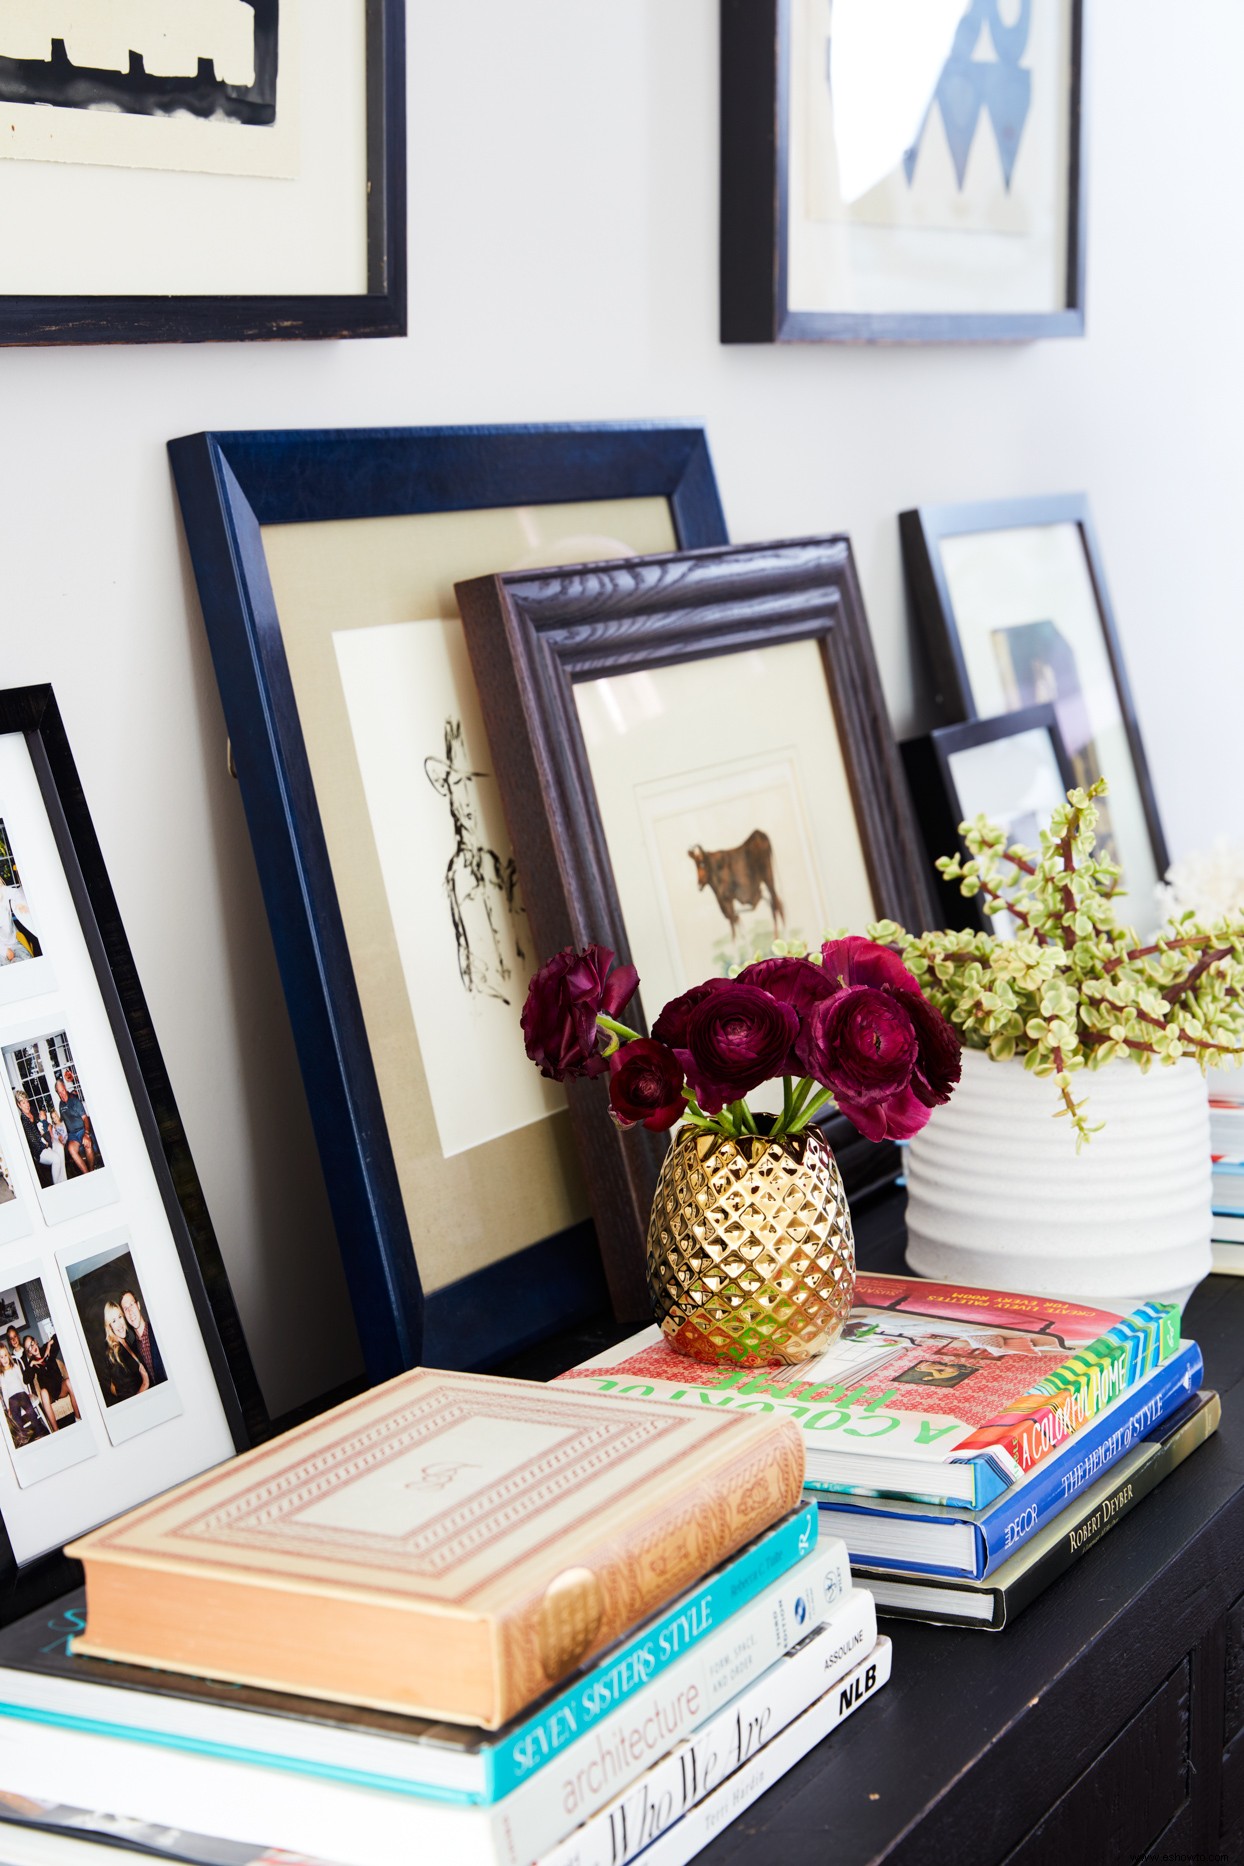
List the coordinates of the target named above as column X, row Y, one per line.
column 998, row 1196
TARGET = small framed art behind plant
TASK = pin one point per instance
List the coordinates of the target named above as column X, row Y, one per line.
column 696, row 759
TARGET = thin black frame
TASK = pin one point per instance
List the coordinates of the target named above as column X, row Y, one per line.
column 532, row 636
column 755, row 113
column 33, row 712
column 935, row 795
column 922, row 531
column 380, row 311
column 230, row 485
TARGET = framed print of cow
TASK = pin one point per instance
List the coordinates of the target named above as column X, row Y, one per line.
column 695, row 758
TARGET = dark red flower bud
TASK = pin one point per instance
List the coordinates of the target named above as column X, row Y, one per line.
column 645, row 1084
column 563, row 1001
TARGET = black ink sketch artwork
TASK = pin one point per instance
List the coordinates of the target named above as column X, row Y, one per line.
column 998, row 86
column 739, row 877
column 214, row 59
column 1038, row 664
column 478, row 883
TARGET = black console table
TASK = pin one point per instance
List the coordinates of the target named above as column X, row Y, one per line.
column 1106, row 1724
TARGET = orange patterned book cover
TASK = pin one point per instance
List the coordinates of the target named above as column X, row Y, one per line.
column 447, row 1544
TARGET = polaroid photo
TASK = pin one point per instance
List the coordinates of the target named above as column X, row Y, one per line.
column 56, row 1123
column 44, row 1431
column 120, row 1336
column 25, row 968
column 15, row 1218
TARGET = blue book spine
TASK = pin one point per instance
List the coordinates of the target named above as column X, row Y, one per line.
column 1008, row 1524
column 638, row 1660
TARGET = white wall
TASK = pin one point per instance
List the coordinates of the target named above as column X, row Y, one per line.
column 564, row 256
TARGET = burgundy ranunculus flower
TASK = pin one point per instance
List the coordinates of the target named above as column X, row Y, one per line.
column 737, row 1037
column 645, row 1084
column 887, row 1055
column 671, row 1025
column 563, row 1000
column 797, row 982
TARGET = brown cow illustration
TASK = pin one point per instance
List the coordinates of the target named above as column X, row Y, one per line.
column 739, row 877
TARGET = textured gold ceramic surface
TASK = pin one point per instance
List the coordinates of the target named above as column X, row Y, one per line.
column 751, row 1256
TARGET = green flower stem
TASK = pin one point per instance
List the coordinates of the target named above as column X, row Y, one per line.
column 809, row 1113
column 745, row 1121
column 788, row 1096
column 622, row 1031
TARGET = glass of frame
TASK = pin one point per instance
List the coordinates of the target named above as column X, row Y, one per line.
column 662, row 723
column 1013, row 769
column 926, row 178
column 122, row 1365
column 1011, row 597
column 238, row 173
column 326, row 565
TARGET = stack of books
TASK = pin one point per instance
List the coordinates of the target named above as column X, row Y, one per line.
column 1226, row 1122
column 459, row 1619
column 967, row 1444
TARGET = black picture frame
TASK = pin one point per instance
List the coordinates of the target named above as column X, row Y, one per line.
column 33, row 712
column 924, row 530
column 230, row 486
column 379, row 311
column 754, row 228
column 928, row 762
column 532, row 637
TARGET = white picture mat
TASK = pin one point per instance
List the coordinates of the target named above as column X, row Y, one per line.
column 401, row 683
column 80, row 228
column 1000, row 580
column 668, row 726
column 72, row 1444
column 52, row 1512
column 930, row 247
column 15, row 1216
column 122, row 139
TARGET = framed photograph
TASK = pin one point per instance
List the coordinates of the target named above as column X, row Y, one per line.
column 694, row 756
column 1014, row 769
column 106, row 1247
column 326, row 566
column 1012, row 601
column 902, row 172
column 213, row 169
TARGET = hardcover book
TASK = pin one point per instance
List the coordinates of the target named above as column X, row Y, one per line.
column 941, row 1538
column 934, row 1390
column 449, row 1544
column 994, row 1602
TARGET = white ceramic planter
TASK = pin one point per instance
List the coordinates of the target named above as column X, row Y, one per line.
column 998, row 1195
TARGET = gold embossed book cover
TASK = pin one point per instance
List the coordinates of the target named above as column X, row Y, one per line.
column 446, row 1544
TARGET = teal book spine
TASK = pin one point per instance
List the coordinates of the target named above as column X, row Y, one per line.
column 636, row 1661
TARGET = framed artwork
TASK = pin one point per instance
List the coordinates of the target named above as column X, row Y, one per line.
column 902, row 170
column 694, row 756
column 213, row 169
column 1011, row 598
column 123, row 1369
column 326, row 567
column 1014, row 769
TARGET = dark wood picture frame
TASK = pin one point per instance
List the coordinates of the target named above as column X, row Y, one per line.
column 230, row 485
column 927, row 761
column 32, row 711
column 922, row 532
column 755, row 129
column 379, row 311
column 532, row 636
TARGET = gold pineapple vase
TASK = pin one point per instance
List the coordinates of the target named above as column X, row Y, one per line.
column 751, row 1256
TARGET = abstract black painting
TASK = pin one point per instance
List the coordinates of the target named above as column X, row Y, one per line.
column 212, row 59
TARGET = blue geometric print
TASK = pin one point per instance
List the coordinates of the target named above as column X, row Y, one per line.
column 968, row 85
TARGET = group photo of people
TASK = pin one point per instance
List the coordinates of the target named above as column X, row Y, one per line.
column 115, row 1326
column 19, row 938
column 55, row 1121
column 36, row 1395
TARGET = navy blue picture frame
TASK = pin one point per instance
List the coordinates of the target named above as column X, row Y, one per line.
column 231, row 485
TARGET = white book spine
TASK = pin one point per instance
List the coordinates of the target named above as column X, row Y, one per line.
column 728, row 1741
column 355, row 1826
column 692, row 1833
